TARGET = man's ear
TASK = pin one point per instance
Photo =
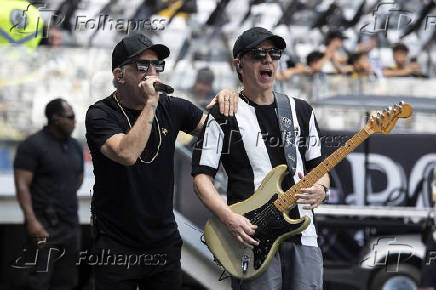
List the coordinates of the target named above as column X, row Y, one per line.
column 118, row 75
column 237, row 64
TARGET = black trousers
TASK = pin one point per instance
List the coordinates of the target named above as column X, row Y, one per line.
column 52, row 267
column 118, row 267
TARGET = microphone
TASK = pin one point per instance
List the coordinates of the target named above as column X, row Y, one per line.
column 161, row 87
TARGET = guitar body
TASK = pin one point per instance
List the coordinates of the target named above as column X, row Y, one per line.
column 273, row 228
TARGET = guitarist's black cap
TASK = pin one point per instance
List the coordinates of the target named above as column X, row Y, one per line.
column 133, row 45
column 253, row 37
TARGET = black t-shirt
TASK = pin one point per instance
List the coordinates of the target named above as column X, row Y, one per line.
column 56, row 166
column 134, row 204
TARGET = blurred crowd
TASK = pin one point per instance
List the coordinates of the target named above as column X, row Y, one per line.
column 324, row 38
column 333, row 59
column 64, row 20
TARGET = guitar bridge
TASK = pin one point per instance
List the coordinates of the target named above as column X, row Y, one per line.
column 244, row 263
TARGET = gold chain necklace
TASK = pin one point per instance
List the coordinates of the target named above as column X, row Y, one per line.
column 130, row 125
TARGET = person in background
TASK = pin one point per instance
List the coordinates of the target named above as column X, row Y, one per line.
column 403, row 67
column 329, row 62
column 288, row 73
column 367, row 44
column 334, row 60
column 361, row 67
column 48, row 171
column 202, row 89
column 315, row 61
column 54, row 38
column 21, row 25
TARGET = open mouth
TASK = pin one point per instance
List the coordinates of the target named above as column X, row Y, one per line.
column 266, row 73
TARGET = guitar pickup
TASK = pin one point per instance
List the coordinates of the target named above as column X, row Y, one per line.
column 244, row 263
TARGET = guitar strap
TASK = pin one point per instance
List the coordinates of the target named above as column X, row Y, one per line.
column 286, row 123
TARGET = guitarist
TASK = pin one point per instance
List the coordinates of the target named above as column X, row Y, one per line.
column 249, row 145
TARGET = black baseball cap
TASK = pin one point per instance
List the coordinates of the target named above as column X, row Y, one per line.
column 133, row 45
column 253, row 37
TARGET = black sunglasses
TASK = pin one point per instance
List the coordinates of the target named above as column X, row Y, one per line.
column 260, row 53
column 142, row 65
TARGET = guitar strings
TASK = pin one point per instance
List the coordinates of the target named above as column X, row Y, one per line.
column 262, row 215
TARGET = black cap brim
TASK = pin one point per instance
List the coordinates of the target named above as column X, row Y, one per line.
column 161, row 50
column 278, row 41
column 119, row 52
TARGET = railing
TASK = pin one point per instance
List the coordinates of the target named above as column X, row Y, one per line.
column 322, row 86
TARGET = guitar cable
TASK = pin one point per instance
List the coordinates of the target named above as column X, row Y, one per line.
column 221, row 278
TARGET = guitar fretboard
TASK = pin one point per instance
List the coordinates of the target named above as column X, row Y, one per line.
column 286, row 200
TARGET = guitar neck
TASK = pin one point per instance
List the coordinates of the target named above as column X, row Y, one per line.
column 287, row 199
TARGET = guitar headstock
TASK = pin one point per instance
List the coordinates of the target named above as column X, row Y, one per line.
column 383, row 122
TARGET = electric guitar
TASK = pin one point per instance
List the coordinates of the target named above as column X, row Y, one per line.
column 269, row 206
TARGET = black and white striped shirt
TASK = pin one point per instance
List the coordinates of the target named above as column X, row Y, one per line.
column 249, row 145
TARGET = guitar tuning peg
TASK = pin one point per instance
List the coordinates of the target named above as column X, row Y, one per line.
column 389, row 113
column 395, row 110
column 382, row 116
column 400, row 108
column 377, row 120
column 401, row 102
column 372, row 121
column 390, row 108
column 378, row 113
column 384, row 111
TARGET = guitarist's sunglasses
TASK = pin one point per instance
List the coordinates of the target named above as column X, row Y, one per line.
column 142, row 65
column 260, row 53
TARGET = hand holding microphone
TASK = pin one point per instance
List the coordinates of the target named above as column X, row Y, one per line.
column 157, row 85
column 161, row 87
